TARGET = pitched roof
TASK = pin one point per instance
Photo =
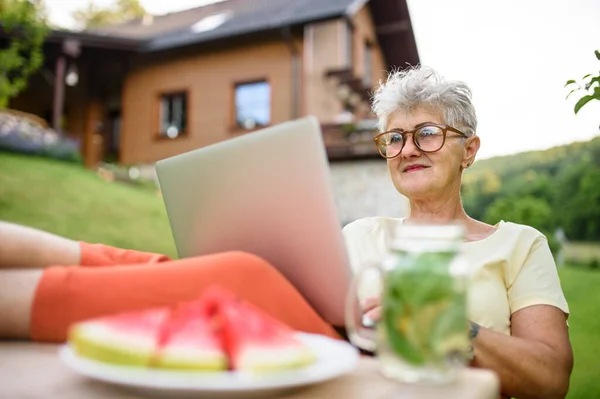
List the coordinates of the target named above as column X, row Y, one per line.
column 229, row 18
column 237, row 18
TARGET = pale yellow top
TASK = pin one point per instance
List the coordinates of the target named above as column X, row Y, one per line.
column 514, row 268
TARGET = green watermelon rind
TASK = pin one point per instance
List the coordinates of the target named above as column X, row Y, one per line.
column 212, row 362
column 301, row 357
column 86, row 344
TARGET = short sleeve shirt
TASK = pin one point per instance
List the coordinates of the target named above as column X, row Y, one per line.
column 514, row 269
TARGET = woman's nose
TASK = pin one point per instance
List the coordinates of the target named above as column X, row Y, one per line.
column 410, row 149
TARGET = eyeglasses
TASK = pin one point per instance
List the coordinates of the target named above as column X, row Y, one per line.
column 428, row 138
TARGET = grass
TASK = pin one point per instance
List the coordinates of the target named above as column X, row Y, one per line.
column 581, row 289
column 69, row 200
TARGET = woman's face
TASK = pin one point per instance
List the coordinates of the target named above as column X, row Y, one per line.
column 416, row 174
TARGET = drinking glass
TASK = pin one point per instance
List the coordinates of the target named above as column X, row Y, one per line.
column 422, row 335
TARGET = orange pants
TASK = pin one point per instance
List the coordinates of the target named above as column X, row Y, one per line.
column 111, row 280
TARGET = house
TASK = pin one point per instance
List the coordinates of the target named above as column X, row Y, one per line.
column 158, row 86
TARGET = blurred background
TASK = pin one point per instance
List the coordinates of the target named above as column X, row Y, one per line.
column 93, row 93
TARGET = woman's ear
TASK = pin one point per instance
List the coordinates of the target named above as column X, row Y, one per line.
column 471, row 147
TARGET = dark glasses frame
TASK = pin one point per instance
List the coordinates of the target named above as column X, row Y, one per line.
column 444, row 128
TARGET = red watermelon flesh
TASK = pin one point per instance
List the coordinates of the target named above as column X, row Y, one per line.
column 189, row 339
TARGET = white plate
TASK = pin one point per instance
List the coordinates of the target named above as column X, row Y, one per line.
column 334, row 358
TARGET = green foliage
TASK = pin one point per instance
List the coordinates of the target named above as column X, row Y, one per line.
column 589, row 85
column 24, row 24
column 93, row 16
column 547, row 189
column 579, row 199
column 527, row 210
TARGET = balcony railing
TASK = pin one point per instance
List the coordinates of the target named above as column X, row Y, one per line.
column 349, row 142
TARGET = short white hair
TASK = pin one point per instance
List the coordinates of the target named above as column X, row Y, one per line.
column 422, row 86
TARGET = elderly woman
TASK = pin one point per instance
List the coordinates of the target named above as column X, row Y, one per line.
column 517, row 307
column 518, row 311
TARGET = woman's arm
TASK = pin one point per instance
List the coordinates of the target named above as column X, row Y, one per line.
column 536, row 361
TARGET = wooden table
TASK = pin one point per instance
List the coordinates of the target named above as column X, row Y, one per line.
column 29, row 370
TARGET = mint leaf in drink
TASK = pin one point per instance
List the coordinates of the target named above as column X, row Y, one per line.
column 449, row 332
column 397, row 324
column 421, row 307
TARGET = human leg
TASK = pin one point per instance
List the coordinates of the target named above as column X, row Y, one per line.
column 17, row 290
column 24, row 247
column 28, row 248
column 26, row 251
column 66, row 295
column 42, row 303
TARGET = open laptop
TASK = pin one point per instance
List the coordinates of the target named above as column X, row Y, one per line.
column 267, row 193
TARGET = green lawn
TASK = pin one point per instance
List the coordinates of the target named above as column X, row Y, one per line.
column 74, row 202
column 581, row 287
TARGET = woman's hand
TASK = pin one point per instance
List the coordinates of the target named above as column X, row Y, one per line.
column 536, row 360
column 372, row 308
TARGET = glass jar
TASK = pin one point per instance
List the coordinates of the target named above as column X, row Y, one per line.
column 422, row 335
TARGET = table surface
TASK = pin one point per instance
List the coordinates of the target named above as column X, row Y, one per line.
column 31, row 370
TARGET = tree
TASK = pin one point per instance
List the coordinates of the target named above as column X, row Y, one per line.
column 93, row 16
column 565, row 179
column 527, row 210
column 589, row 84
column 25, row 25
column 578, row 201
column 589, row 196
column 532, row 211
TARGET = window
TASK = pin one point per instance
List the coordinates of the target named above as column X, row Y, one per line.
column 253, row 104
column 173, row 115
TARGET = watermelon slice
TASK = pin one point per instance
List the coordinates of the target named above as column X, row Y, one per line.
column 214, row 333
column 255, row 341
column 189, row 339
column 127, row 338
column 161, row 338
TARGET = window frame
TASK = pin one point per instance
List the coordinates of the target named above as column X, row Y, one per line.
column 236, row 127
column 162, row 135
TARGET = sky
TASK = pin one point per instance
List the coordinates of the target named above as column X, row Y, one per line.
column 516, row 56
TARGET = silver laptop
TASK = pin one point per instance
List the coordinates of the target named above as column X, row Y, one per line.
column 267, row 193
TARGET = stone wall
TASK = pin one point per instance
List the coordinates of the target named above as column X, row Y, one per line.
column 363, row 188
